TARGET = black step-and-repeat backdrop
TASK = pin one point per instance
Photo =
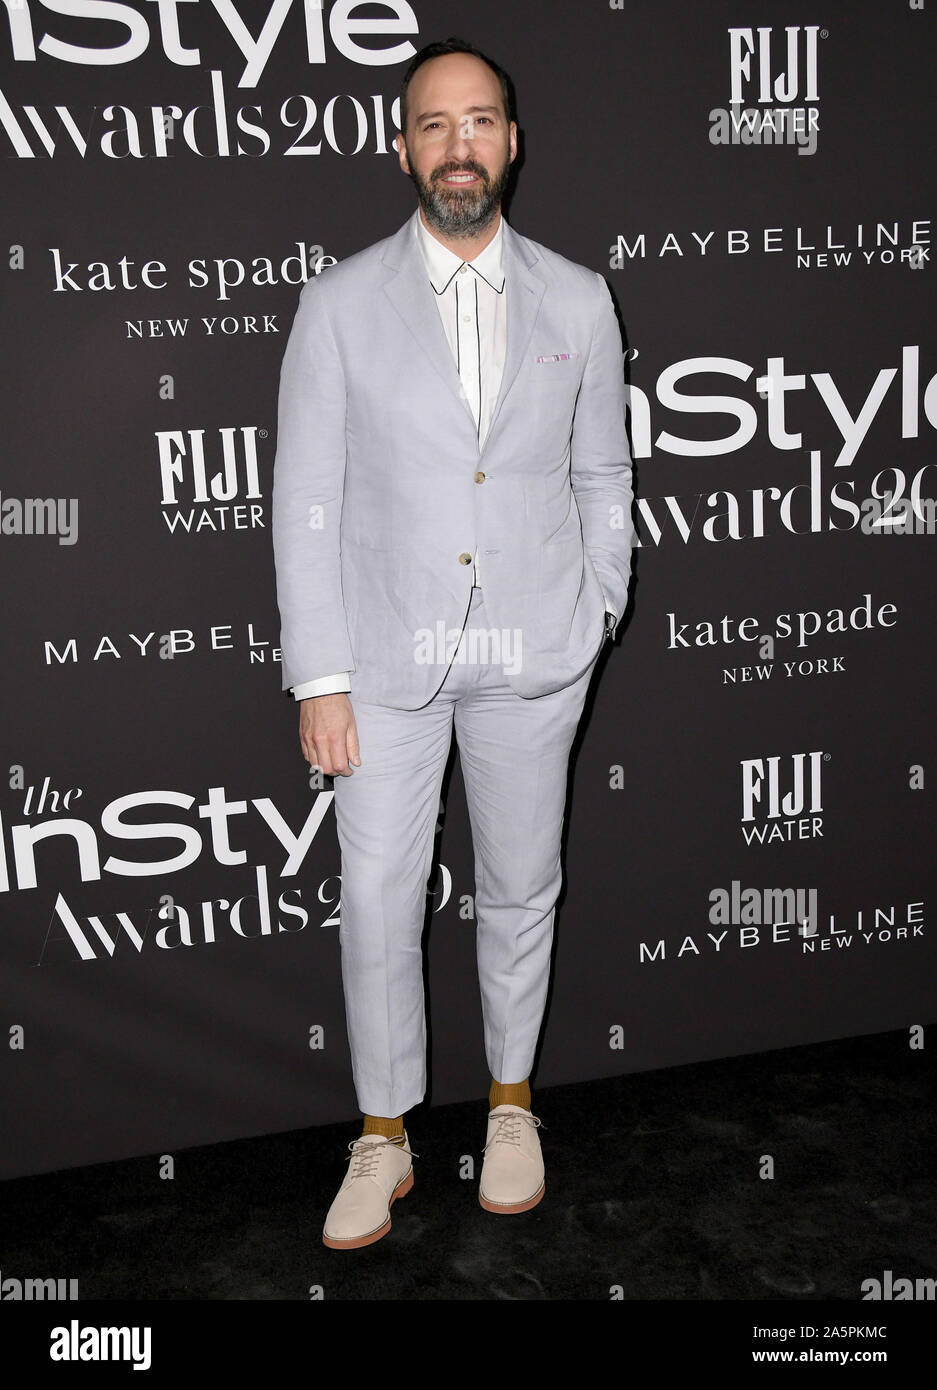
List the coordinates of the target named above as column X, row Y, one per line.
column 750, row 839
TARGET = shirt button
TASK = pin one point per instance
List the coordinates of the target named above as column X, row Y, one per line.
column 479, row 477
column 465, row 558
column 463, row 269
column 466, row 318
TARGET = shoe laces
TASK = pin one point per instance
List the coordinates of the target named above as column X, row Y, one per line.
column 364, row 1157
column 509, row 1128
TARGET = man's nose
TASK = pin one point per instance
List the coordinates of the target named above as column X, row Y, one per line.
column 461, row 147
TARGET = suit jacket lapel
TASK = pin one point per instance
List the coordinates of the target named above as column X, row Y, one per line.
column 525, row 290
column 411, row 294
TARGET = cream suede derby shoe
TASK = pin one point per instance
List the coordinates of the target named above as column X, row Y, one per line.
column 512, row 1173
column 379, row 1171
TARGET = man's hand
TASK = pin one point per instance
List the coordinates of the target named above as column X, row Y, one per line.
column 328, row 734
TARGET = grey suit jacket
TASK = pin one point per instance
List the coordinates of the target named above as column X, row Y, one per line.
column 381, row 493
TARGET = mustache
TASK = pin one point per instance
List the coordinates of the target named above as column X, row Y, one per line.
column 468, row 169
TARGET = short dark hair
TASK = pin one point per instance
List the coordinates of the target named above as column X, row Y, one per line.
column 439, row 50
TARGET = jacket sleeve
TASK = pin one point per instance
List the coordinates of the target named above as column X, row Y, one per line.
column 600, row 458
column 308, row 487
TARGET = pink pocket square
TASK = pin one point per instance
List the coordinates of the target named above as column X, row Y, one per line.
column 558, row 357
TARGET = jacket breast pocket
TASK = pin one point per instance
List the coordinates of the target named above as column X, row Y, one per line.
column 563, row 374
column 554, row 389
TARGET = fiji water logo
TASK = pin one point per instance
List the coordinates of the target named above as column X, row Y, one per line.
column 773, row 88
column 782, row 797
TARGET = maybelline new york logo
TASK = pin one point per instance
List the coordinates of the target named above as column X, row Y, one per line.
column 893, row 925
column 247, row 36
column 900, row 242
column 780, row 75
column 170, row 644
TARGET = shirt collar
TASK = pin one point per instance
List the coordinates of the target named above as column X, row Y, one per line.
column 442, row 264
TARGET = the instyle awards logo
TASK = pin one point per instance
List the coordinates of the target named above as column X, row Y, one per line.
column 773, row 88
column 258, row 897
column 257, row 900
column 112, row 33
column 816, row 492
column 782, row 797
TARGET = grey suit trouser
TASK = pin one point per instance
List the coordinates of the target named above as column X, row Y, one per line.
column 514, row 754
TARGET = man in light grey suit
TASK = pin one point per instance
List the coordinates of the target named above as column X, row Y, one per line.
column 452, row 535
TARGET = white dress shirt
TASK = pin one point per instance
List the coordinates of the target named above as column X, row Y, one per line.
column 471, row 299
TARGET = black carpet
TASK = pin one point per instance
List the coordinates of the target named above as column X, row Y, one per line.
column 653, row 1192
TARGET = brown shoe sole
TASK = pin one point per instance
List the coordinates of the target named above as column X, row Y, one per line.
column 506, row 1209
column 356, row 1242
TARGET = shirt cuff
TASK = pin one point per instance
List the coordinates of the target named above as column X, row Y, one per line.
column 324, row 685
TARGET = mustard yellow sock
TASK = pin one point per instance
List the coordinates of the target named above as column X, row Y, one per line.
column 516, row 1093
column 380, row 1124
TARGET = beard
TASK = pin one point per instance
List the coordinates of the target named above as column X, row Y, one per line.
column 461, row 211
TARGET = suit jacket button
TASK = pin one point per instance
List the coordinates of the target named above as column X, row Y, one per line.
column 465, row 558
column 479, row 477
